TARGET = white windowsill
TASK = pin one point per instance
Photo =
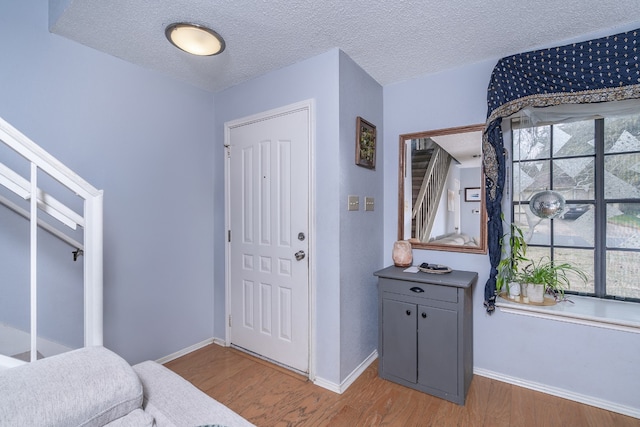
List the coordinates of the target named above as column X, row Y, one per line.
column 619, row 315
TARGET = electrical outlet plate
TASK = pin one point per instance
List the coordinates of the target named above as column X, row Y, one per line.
column 368, row 203
column 353, row 203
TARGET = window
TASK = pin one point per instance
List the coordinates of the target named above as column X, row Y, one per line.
column 595, row 165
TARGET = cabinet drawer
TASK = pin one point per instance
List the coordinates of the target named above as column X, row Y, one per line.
column 419, row 290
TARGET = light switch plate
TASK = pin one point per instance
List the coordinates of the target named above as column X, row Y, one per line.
column 353, row 203
column 368, row 203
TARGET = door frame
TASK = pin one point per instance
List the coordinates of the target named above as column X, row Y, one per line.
column 309, row 106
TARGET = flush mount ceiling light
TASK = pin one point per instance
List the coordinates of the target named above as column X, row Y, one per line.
column 195, row 39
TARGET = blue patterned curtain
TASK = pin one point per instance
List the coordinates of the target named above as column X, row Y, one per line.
column 601, row 70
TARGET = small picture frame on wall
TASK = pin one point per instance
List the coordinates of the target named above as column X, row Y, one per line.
column 472, row 194
column 365, row 144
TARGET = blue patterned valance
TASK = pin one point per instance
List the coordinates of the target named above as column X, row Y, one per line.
column 601, row 70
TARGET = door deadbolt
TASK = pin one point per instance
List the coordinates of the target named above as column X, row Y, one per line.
column 299, row 255
column 301, row 236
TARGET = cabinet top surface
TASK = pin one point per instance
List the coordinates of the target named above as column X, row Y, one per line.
column 457, row 278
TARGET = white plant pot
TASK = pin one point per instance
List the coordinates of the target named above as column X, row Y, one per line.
column 514, row 290
column 535, row 292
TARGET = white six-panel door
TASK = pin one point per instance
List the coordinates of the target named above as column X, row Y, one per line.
column 268, row 220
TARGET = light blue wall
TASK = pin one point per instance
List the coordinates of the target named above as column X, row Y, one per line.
column 317, row 79
column 598, row 363
column 470, row 221
column 361, row 232
column 162, row 172
column 448, row 217
column 56, row 8
column 117, row 126
column 60, row 283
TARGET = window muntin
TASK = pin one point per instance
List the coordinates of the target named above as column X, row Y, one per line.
column 599, row 231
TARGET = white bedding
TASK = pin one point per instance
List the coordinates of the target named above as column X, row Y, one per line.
column 458, row 239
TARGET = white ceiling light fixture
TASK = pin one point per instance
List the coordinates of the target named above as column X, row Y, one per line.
column 195, row 39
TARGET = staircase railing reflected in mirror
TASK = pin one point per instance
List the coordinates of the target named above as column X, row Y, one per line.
column 435, row 170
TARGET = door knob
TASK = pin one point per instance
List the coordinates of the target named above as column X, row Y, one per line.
column 299, row 255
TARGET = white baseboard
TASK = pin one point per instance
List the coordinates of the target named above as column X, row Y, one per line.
column 331, row 386
column 185, row 351
column 344, row 385
column 559, row 392
column 220, row 342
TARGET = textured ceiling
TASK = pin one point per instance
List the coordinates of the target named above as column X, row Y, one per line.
column 391, row 40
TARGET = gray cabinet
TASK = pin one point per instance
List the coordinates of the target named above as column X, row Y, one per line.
column 426, row 331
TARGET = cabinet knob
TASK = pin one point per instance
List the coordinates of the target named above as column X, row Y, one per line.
column 424, row 315
column 408, row 312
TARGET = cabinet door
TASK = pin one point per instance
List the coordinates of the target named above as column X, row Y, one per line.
column 438, row 348
column 399, row 344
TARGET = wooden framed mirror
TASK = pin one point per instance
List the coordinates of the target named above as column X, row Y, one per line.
column 441, row 190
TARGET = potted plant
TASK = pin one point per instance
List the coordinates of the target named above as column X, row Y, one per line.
column 509, row 265
column 545, row 276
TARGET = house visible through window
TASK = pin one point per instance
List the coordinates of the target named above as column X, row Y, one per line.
column 595, row 165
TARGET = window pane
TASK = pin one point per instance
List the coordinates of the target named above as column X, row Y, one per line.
column 623, row 270
column 520, row 217
column 575, row 226
column 623, row 225
column 574, row 139
column 621, row 134
column 530, row 178
column 571, row 237
column 536, row 253
column 531, row 143
column 536, row 230
column 582, row 259
column 622, row 176
column 573, row 178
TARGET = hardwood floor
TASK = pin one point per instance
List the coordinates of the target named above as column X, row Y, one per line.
column 268, row 395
